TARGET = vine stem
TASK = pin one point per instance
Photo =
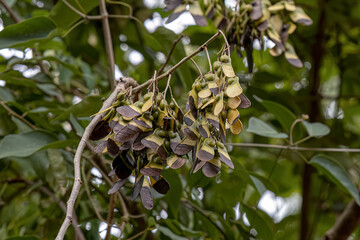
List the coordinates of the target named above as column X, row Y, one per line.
column 288, row 147
column 77, row 177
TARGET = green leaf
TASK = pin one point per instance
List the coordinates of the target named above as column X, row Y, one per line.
column 336, row 173
column 56, row 175
column 16, row 78
column 261, row 128
column 6, row 124
column 32, row 28
column 62, row 144
column 173, row 197
column 23, row 145
column 316, row 129
column 283, row 115
column 87, row 107
column 260, row 187
column 78, row 128
column 167, row 232
column 258, row 222
column 5, row 95
column 64, row 17
column 162, row 40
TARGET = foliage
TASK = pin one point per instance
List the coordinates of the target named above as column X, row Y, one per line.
column 61, row 59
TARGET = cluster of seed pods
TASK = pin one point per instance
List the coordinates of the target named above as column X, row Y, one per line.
column 211, row 109
column 149, row 134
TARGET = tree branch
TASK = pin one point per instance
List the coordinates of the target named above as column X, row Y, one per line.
column 11, row 112
column 108, row 43
column 110, row 216
column 10, row 11
column 345, row 224
column 77, row 178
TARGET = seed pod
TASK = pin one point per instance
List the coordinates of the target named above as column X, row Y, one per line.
column 197, row 86
column 209, row 77
column 161, row 185
column 212, row 168
column 224, row 58
column 217, row 65
column 175, row 162
column 148, row 95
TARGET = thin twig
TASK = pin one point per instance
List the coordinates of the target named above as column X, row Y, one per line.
column 125, row 17
column 108, row 43
column 77, row 178
column 227, row 43
column 87, row 189
column 11, row 112
column 208, row 57
column 304, row 117
column 302, row 140
column 138, row 234
column 197, row 66
column 167, row 86
column 262, row 145
column 123, row 4
column 268, row 180
column 170, row 53
column 10, row 11
column 172, row 69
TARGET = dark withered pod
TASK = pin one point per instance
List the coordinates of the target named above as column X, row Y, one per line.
column 101, row 130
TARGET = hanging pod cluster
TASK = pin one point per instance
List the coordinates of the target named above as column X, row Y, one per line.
column 252, row 21
column 211, row 109
column 257, row 19
column 149, row 134
column 143, row 137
